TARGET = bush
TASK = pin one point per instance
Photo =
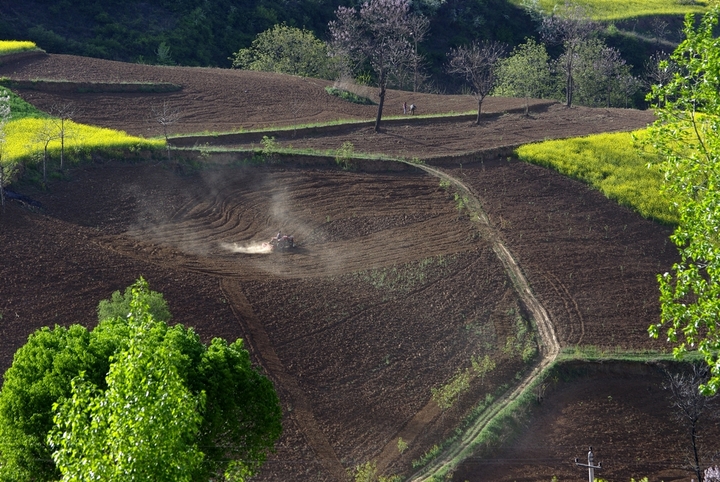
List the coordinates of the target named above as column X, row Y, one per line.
column 349, row 96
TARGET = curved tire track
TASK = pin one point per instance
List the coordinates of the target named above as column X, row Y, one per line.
column 549, row 348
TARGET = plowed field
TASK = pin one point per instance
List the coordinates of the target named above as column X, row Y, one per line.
column 392, row 289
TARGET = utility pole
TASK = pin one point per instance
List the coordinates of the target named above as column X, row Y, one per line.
column 591, row 468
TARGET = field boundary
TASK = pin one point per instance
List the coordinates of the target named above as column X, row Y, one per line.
column 291, row 132
column 16, row 56
column 47, row 85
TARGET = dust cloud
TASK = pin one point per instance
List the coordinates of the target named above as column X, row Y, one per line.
column 252, row 248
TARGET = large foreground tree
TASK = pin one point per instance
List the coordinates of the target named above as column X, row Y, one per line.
column 134, row 399
column 379, row 33
column 687, row 134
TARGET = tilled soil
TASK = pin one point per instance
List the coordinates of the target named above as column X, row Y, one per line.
column 391, row 291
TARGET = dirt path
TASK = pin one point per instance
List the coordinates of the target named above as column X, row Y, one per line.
column 549, row 348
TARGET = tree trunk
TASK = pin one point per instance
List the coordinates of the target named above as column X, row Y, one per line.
column 62, row 141
column 693, row 437
column 380, row 106
column 2, row 188
column 45, row 163
column 480, row 99
column 569, row 86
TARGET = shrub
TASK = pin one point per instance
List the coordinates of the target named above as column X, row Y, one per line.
column 349, row 96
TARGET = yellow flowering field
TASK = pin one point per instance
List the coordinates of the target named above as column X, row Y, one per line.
column 612, row 164
column 624, row 9
column 13, row 46
column 25, row 140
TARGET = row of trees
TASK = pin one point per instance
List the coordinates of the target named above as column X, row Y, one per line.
column 134, row 399
column 384, row 37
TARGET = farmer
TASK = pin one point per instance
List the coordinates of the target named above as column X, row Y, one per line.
column 412, row 109
column 404, row 108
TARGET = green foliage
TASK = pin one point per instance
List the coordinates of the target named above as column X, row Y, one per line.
column 522, row 343
column 426, row 457
column 610, row 164
column 288, row 50
column 344, row 154
column 402, row 445
column 406, row 277
column 686, row 135
column 118, row 306
column 143, row 426
column 199, row 413
column 19, row 108
column 525, row 73
column 367, row 472
column 349, row 96
column 446, row 395
column 482, row 367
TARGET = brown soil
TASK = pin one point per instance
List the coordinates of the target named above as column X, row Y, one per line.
column 391, row 291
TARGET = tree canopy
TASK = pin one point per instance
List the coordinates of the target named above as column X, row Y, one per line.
column 134, row 399
column 378, row 33
column 288, row 50
column 687, row 134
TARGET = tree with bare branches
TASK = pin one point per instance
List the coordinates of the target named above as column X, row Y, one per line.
column 44, row 136
column 166, row 116
column 419, row 28
column 6, row 168
column 478, row 64
column 570, row 26
column 61, row 114
column 378, row 33
column 690, row 406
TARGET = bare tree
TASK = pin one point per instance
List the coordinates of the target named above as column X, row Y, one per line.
column 6, row 169
column 419, row 28
column 378, row 33
column 44, row 136
column 62, row 113
column 569, row 26
column 166, row 116
column 659, row 69
column 690, row 405
column 478, row 64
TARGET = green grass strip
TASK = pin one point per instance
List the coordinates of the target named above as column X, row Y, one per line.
column 628, row 9
column 19, row 109
column 336, row 122
column 612, row 164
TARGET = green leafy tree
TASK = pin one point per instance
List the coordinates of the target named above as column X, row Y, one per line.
column 86, row 374
column 601, row 75
column 143, row 426
column 525, row 73
column 687, row 135
column 570, row 26
column 288, row 50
